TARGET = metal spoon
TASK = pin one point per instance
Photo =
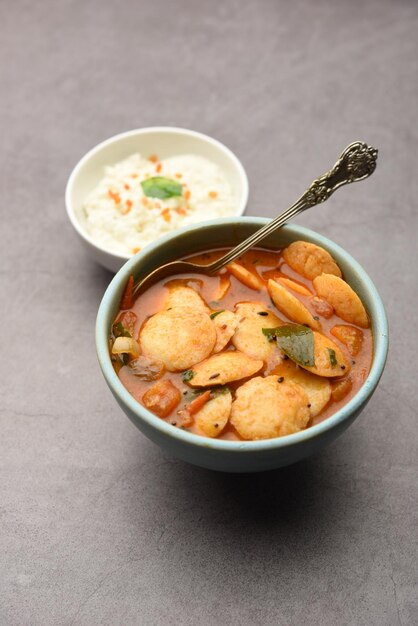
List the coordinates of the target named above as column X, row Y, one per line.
column 357, row 162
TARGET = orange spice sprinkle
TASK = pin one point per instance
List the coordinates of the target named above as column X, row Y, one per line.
column 157, row 205
column 144, row 201
column 166, row 215
column 114, row 196
column 153, row 158
column 213, row 194
column 181, row 211
column 178, row 175
column 135, row 250
column 126, row 186
column 158, row 168
column 127, row 208
column 187, row 194
column 134, row 175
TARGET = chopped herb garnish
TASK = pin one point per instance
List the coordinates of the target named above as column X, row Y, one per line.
column 161, row 187
column 332, row 357
column 295, row 340
column 214, row 376
column 187, row 375
column 119, row 330
column 220, row 391
column 215, row 313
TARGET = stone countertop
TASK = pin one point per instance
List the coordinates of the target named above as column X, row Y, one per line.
column 98, row 526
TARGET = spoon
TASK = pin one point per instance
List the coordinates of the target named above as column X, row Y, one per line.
column 357, row 162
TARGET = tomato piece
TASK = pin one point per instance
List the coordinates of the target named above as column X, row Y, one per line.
column 322, row 307
column 162, row 398
column 340, row 388
column 128, row 319
column 350, row 336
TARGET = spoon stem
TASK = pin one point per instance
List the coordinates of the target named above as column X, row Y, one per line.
column 356, row 162
column 260, row 234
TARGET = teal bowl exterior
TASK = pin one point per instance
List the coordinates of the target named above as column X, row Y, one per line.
column 239, row 456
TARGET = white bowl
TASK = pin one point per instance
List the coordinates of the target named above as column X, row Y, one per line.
column 166, row 142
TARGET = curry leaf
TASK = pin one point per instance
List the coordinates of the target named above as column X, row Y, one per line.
column 270, row 333
column 295, row 340
column 332, row 357
column 161, row 187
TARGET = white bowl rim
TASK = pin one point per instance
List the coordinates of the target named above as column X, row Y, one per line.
column 381, row 342
column 143, row 131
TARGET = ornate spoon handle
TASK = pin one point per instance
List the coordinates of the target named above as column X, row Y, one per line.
column 357, row 162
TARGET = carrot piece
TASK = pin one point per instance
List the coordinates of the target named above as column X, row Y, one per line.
column 187, row 194
column 199, row 402
column 181, row 211
column 127, row 208
column 274, row 274
column 158, row 168
column 287, row 282
column 213, row 194
column 126, row 186
column 127, row 300
column 153, row 158
column 166, row 215
column 244, row 276
column 113, row 195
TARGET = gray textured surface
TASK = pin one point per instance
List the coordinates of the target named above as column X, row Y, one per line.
column 97, row 525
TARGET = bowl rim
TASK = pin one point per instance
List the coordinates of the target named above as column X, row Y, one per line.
column 175, row 130
column 380, row 335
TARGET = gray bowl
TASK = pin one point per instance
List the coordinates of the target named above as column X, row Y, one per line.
column 239, row 456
